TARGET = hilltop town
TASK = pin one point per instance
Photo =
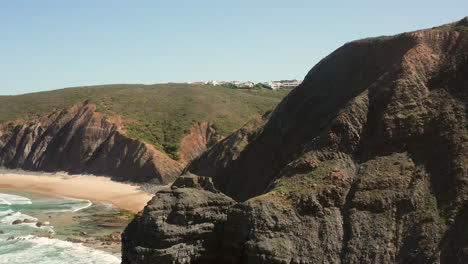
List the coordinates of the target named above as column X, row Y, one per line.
column 274, row 85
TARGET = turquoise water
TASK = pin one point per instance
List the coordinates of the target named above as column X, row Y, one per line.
column 25, row 243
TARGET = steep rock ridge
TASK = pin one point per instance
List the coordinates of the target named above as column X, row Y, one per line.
column 378, row 78
column 227, row 150
column 202, row 136
column 365, row 162
column 306, row 111
column 80, row 140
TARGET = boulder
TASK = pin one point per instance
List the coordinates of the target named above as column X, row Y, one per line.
column 17, row 222
column 178, row 225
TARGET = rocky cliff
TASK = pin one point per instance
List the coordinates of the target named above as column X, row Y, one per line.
column 150, row 131
column 202, row 136
column 81, row 140
column 180, row 224
column 365, row 162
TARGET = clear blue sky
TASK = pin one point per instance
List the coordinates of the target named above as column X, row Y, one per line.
column 49, row 44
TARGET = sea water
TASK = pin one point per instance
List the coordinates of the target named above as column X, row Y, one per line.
column 22, row 244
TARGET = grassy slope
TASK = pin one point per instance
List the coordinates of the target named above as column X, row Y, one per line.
column 161, row 114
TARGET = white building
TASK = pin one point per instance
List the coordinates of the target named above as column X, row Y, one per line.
column 249, row 84
column 272, row 85
column 277, row 85
column 213, row 82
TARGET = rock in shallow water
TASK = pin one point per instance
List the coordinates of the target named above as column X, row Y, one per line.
column 17, row 222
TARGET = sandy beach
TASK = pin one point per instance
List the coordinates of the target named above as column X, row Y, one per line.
column 93, row 188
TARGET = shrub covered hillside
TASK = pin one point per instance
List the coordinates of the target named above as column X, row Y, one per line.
column 160, row 114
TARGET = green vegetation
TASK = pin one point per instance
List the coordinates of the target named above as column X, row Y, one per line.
column 124, row 214
column 376, row 39
column 433, row 225
column 411, row 121
column 407, row 169
column 461, row 28
column 159, row 114
column 287, row 81
column 428, row 211
column 232, row 86
column 375, row 174
column 443, row 27
column 301, row 184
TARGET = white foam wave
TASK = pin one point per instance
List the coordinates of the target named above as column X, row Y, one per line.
column 5, row 202
column 7, row 212
column 42, row 250
column 11, row 217
column 9, row 199
column 84, row 206
column 77, row 205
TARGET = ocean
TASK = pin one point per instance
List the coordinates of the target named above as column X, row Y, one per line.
column 45, row 243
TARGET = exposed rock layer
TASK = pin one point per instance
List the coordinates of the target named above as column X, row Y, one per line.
column 202, row 136
column 365, row 162
column 80, row 140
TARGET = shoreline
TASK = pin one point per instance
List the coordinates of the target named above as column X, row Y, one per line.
column 88, row 187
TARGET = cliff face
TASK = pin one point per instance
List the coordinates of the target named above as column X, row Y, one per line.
column 80, row 140
column 202, row 136
column 222, row 154
column 369, row 89
column 180, row 225
column 365, row 162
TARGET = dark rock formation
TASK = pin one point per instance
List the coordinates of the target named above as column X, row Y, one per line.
column 17, row 222
column 179, row 225
column 370, row 97
column 194, row 181
column 80, row 140
column 365, row 162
